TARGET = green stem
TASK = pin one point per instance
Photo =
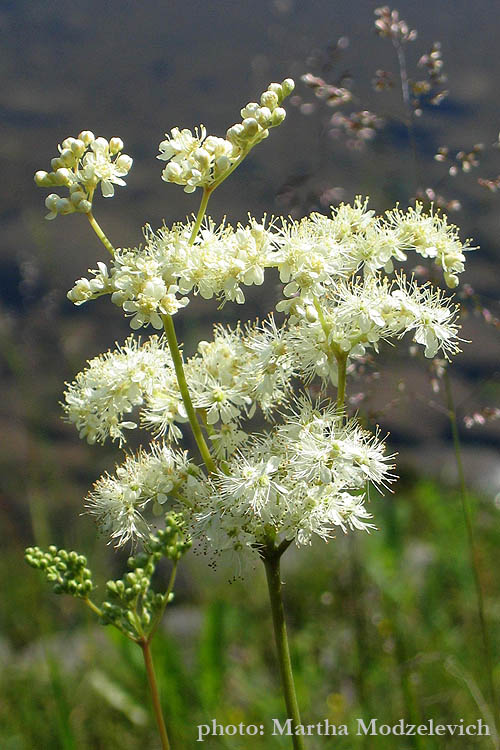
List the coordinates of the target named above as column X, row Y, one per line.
column 183, row 387
column 207, row 192
column 474, row 561
column 271, row 557
column 155, row 696
column 236, row 164
column 162, row 610
column 97, row 229
column 341, row 383
column 95, row 609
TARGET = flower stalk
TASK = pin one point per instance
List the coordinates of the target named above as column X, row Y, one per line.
column 97, row 229
column 144, row 643
column 271, row 557
column 186, row 398
column 341, row 382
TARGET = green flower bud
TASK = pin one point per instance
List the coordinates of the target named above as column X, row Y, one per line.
column 51, row 204
column 115, row 145
column 263, row 116
column 451, row 280
column 250, row 127
column 63, row 176
column 249, row 110
column 42, row 179
column 68, row 157
column 78, row 147
column 287, row 86
column 222, row 164
column 278, row 116
column 269, row 99
column 64, row 206
column 234, row 134
column 277, row 89
column 87, row 137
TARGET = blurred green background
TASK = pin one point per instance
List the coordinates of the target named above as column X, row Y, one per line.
column 383, row 625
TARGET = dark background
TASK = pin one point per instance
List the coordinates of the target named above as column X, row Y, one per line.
column 136, row 70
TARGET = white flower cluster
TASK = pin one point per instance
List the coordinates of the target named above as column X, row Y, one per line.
column 303, row 477
column 83, row 163
column 357, row 314
column 308, row 476
column 311, row 256
column 228, row 377
column 111, row 386
column 310, row 471
column 316, row 251
column 432, row 237
column 147, row 281
column 152, row 477
column 197, row 160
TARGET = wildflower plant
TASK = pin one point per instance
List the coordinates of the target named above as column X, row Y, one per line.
column 312, row 470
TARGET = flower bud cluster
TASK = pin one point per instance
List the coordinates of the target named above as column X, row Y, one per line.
column 66, row 571
column 132, row 605
column 390, row 26
column 83, row 163
column 197, row 160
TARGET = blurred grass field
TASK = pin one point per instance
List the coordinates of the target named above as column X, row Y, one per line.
column 382, row 625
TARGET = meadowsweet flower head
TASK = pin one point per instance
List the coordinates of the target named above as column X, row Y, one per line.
column 430, row 235
column 82, row 164
column 358, row 314
column 112, row 385
column 119, row 501
column 308, row 476
column 310, row 471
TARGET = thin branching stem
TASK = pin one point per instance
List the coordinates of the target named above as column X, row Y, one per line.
column 207, row 192
column 97, row 229
column 169, row 590
column 341, row 382
column 405, row 90
column 95, row 609
column 474, row 560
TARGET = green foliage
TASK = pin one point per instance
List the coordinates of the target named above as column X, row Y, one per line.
column 374, row 621
column 132, row 605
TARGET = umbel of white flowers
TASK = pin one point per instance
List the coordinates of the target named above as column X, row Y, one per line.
column 309, row 472
column 83, row 163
